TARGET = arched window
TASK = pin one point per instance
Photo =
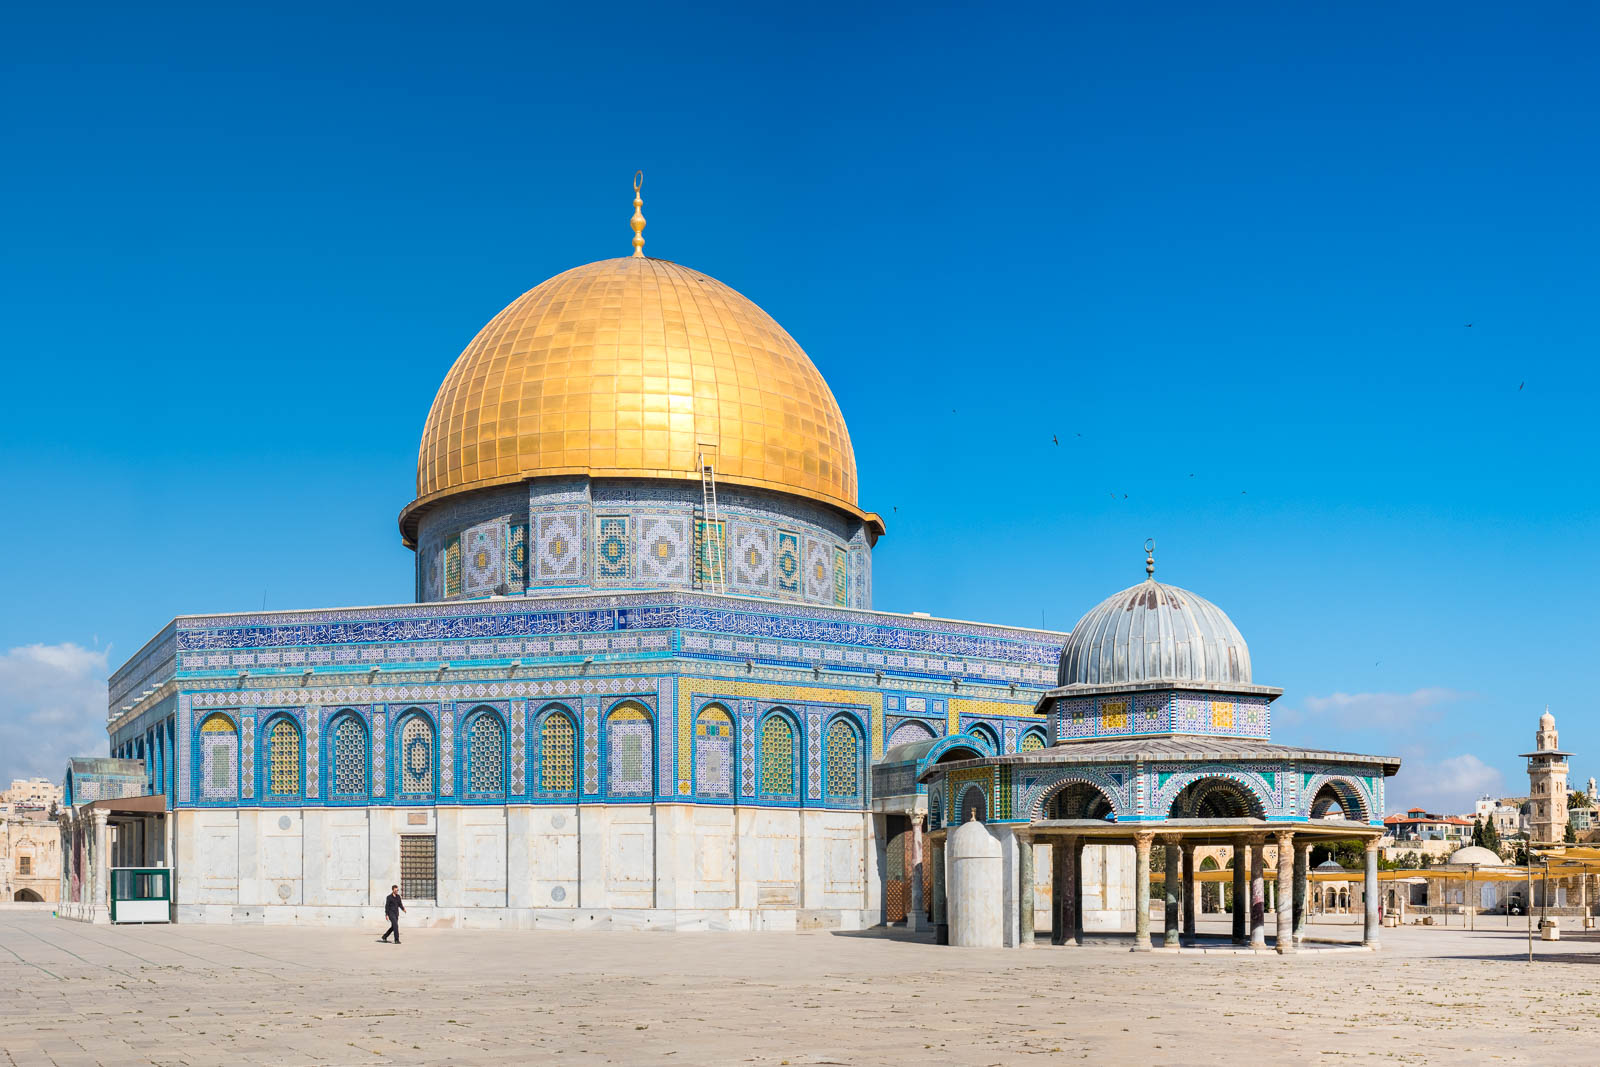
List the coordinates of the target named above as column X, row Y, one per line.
column 558, row 745
column 777, row 756
column 349, row 756
column 974, row 804
column 283, row 758
column 985, row 735
column 1032, row 741
column 713, row 753
column 416, row 756
column 842, row 753
column 219, row 759
column 910, row 732
column 486, row 754
column 630, row 752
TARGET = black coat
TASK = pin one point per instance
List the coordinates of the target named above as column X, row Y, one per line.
column 392, row 906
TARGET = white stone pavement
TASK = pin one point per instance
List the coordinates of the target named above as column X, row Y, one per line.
column 78, row 994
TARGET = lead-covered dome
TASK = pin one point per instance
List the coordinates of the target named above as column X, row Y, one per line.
column 1151, row 633
column 1475, row 854
column 632, row 368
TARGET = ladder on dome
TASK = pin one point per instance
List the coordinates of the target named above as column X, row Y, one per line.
column 711, row 546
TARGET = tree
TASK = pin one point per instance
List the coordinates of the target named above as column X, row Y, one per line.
column 1571, row 837
column 1576, row 799
column 1491, row 837
column 1521, row 858
column 1477, row 830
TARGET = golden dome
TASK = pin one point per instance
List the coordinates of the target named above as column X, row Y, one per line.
column 631, row 368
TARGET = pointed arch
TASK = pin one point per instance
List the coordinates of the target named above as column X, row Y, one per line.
column 1217, row 796
column 281, row 757
column 484, row 731
column 842, row 766
column 714, row 752
column 351, row 748
column 909, row 732
column 1033, row 740
column 630, row 751
column 1328, row 792
column 556, row 762
column 416, row 746
column 778, row 754
column 973, row 803
column 218, row 763
column 986, row 736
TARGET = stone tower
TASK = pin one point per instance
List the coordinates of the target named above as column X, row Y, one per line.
column 1547, row 785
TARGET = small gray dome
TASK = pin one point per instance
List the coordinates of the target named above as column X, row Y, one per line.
column 1475, row 854
column 1155, row 633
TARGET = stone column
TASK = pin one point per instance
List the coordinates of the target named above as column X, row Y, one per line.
column 1258, row 892
column 941, row 922
column 1369, row 931
column 1059, row 904
column 915, row 919
column 1241, row 891
column 1302, row 879
column 1075, row 888
column 1025, row 920
column 1172, row 889
column 1188, row 890
column 1141, row 891
column 1285, row 839
column 100, row 865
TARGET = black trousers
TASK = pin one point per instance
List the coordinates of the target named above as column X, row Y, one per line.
column 394, row 928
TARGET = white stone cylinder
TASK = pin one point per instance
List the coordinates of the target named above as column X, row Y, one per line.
column 977, row 887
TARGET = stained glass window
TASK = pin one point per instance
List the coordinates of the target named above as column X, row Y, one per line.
column 416, row 756
column 777, row 756
column 631, row 752
column 557, row 748
column 283, row 759
column 486, row 755
column 349, row 757
column 843, row 753
column 713, row 753
column 219, row 748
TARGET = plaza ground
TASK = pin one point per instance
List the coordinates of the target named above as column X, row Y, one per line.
column 77, row 994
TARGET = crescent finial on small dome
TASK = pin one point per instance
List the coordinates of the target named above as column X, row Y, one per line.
column 638, row 218
column 1150, row 558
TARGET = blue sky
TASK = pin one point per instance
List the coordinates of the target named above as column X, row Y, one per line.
column 1226, row 254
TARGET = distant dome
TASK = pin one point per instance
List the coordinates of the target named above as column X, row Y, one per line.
column 1475, row 854
column 1152, row 632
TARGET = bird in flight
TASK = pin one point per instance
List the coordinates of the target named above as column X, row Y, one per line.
column 1469, row 326
column 1055, row 440
column 1520, row 385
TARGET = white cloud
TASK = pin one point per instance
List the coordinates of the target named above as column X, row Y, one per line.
column 1445, row 786
column 1395, row 712
column 52, row 705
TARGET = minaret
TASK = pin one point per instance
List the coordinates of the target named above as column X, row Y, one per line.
column 1547, row 785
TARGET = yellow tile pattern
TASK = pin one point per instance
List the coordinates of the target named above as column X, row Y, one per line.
column 688, row 691
column 984, row 709
column 629, row 367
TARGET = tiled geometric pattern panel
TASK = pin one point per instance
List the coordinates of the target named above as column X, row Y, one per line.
column 486, row 755
column 710, row 552
column 713, row 753
column 313, row 721
column 219, row 747
column 557, row 749
column 432, row 575
column 517, row 557
column 247, row 755
column 558, row 548
column 483, row 558
column 841, row 582
column 818, row 570
column 751, row 555
column 447, row 750
column 614, row 550
column 283, row 759
column 910, row 732
column 747, row 748
column 591, row 747
column 349, row 757
column 452, row 567
column 1032, row 741
column 615, row 344
column 519, row 748
column 416, row 757
column 667, row 758
column 777, row 756
column 380, row 739
column 813, row 746
column 788, row 562
column 664, row 549
column 630, row 753
column 843, row 760
column 1114, row 716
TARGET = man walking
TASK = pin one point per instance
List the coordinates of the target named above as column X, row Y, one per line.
column 392, row 907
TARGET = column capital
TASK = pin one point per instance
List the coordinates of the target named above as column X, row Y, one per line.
column 1285, row 838
column 1370, row 845
column 1172, row 840
column 1143, row 839
column 1256, row 839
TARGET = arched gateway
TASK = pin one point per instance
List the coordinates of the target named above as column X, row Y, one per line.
column 1162, row 739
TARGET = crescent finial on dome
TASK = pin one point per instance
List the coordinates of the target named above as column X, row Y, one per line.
column 1150, row 558
column 638, row 217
